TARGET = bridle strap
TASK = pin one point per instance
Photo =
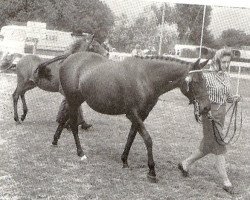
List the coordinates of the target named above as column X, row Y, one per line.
column 200, row 70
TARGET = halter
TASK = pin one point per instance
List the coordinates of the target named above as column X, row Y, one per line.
column 196, row 104
column 195, row 101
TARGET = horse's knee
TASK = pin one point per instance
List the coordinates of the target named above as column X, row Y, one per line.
column 25, row 110
column 15, row 96
column 148, row 141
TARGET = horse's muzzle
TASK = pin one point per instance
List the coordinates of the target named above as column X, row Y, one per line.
column 107, row 55
column 206, row 110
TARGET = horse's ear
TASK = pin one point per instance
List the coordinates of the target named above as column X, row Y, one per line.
column 203, row 64
column 197, row 62
column 92, row 38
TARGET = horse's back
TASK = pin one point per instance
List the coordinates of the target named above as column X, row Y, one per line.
column 26, row 66
column 108, row 87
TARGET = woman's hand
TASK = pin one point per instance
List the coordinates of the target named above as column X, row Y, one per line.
column 237, row 98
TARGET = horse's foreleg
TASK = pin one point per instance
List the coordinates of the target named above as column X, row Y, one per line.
column 74, row 128
column 136, row 119
column 15, row 97
column 25, row 108
column 130, row 140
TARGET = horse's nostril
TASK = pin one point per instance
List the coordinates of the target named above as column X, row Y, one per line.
column 207, row 109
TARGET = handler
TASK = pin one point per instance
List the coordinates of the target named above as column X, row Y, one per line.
column 218, row 86
column 63, row 115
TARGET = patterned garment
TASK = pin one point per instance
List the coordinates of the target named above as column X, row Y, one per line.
column 218, row 87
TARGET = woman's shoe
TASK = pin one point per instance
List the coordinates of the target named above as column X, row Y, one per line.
column 183, row 171
column 85, row 126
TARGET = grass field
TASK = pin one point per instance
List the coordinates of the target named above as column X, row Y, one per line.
column 30, row 168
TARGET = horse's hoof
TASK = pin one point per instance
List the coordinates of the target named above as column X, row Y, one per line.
column 84, row 158
column 183, row 171
column 152, row 179
column 229, row 189
column 18, row 122
column 23, row 118
column 125, row 166
column 86, row 126
column 54, row 143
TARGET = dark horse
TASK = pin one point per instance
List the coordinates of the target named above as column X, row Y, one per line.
column 27, row 65
column 131, row 87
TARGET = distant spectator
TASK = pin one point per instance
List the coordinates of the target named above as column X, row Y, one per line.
column 178, row 52
column 137, row 51
column 106, row 45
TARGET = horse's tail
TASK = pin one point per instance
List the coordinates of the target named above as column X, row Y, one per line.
column 43, row 72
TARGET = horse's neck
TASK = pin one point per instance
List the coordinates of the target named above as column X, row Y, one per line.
column 167, row 76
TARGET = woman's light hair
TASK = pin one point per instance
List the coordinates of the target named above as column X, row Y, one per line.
column 218, row 56
column 222, row 52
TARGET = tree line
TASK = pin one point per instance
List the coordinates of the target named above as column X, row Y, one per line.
column 182, row 23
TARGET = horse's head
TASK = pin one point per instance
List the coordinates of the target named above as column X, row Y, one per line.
column 194, row 87
column 6, row 61
column 96, row 47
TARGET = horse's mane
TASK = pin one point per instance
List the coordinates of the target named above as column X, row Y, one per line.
column 170, row 58
column 75, row 47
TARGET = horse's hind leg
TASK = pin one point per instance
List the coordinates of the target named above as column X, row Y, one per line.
column 22, row 87
column 15, row 97
column 25, row 108
column 62, row 119
column 81, row 121
column 58, row 132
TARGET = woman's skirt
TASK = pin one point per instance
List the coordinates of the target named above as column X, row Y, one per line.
column 209, row 143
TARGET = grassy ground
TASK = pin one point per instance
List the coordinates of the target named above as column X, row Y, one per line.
column 30, row 168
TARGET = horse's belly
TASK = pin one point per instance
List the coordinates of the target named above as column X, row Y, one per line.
column 107, row 107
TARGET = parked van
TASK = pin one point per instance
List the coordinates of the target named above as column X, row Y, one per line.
column 33, row 38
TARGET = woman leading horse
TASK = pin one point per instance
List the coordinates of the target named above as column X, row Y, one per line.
column 218, row 87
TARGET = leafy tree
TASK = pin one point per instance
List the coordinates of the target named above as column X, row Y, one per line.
column 189, row 20
column 121, row 35
column 234, row 38
column 145, row 30
column 92, row 16
column 169, row 13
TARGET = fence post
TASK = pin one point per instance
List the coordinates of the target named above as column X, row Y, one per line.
column 238, row 81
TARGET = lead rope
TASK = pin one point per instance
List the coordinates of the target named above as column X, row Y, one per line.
column 218, row 134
